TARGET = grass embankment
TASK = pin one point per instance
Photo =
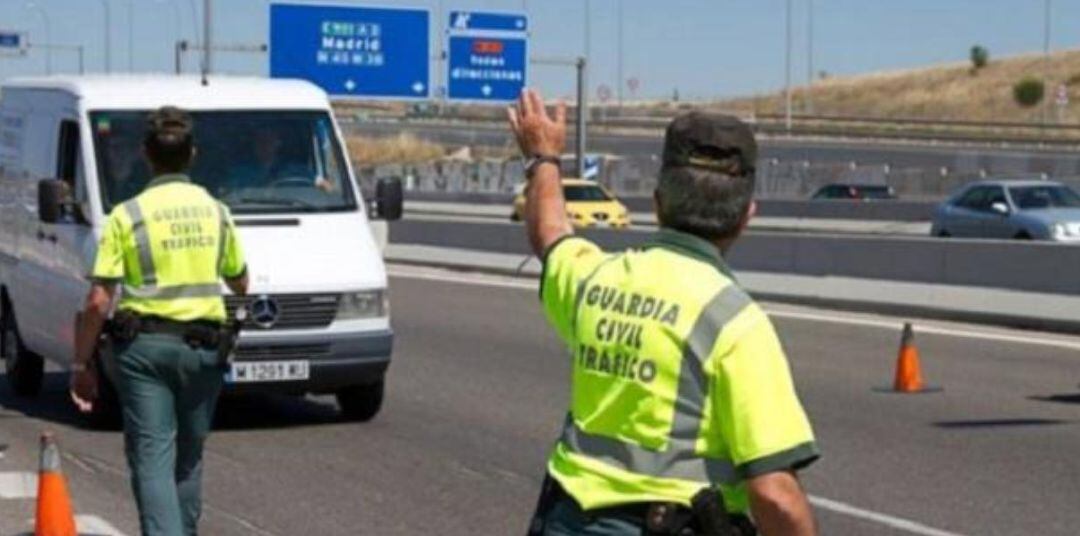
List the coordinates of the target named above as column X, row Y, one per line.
column 944, row 92
column 401, row 149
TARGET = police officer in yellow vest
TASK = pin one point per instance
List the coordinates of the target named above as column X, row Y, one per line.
column 683, row 417
column 168, row 250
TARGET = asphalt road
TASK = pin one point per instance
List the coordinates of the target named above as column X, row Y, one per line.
column 475, row 399
column 957, row 158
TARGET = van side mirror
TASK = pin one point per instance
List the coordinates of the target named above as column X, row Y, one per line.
column 389, row 199
column 1000, row 208
column 54, row 200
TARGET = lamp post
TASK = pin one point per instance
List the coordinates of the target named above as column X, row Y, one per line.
column 787, row 70
column 131, row 35
column 619, row 60
column 809, row 54
column 108, row 35
column 48, row 34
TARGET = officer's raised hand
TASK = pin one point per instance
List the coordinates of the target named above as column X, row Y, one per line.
column 537, row 133
column 542, row 139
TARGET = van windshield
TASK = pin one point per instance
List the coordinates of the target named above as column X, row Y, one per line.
column 255, row 162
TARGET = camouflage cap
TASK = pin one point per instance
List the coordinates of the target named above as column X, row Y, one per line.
column 710, row 141
column 169, row 125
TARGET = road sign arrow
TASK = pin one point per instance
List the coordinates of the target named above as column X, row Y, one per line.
column 486, row 90
column 350, row 85
column 418, row 87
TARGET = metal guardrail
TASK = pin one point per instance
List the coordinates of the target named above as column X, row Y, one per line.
column 829, row 126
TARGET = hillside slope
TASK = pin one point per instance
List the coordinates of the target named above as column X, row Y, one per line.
column 950, row 92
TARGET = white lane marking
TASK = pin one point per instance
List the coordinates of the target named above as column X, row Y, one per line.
column 18, row 485
column 95, row 526
column 1031, row 339
column 819, row 502
column 883, row 519
column 932, row 329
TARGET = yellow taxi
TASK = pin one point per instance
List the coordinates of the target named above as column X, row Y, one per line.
column 588, row 204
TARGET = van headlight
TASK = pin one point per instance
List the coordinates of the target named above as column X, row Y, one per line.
column 363, row 304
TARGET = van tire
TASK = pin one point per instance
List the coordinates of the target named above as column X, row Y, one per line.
column 360, row 403
column 1022, row 235
column 25, row 370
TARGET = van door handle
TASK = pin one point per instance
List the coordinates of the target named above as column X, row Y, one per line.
column 42, row 236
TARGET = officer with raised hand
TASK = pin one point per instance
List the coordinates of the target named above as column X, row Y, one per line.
column 683, row 416
column 167, row 250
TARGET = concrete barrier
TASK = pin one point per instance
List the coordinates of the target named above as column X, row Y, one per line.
column 899, row 210
column 1017, row 266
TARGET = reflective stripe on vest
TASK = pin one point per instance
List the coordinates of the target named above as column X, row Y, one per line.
column 221, row 238
column 142, row 243
column 678, row 460
column 208, row 290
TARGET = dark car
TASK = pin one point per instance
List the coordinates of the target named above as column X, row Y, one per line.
column 855, row 192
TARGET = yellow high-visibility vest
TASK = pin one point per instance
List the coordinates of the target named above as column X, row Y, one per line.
column 679, row 379
column 169, row 248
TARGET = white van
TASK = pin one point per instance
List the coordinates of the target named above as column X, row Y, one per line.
column 271, row 151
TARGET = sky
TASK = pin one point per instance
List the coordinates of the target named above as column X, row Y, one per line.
column 704, row 49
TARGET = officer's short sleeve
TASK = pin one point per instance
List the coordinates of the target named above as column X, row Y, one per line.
column 759, row 413
column 232, row 255
column 567, row 263
column 109, row 262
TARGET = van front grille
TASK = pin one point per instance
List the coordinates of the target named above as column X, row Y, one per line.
column 295, row 311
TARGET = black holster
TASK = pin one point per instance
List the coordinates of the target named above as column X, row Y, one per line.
column 711, row 517
column 123, row 327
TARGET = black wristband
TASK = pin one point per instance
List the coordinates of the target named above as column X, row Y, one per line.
column 534, row 163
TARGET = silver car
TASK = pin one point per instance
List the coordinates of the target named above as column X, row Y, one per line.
column 1034, row 210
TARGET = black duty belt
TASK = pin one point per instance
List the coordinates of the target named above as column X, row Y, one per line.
column 157, row 324
column 659, row 518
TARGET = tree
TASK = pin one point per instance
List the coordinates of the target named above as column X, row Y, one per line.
column 979, row 57
column 1029, row 91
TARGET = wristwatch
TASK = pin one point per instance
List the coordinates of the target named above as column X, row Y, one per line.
column 533, row 163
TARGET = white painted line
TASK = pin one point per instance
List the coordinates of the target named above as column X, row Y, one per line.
column 18, row 485
column 882, row 519
column 95, row 526
column 1032, row 339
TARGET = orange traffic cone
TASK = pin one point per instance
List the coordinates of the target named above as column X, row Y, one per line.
column 54, row 513
column 908, row 372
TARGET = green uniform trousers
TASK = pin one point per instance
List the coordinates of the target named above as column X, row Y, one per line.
column 167, row 392
column 566, row 518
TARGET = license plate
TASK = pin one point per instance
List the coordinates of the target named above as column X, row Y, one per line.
column 268, row 371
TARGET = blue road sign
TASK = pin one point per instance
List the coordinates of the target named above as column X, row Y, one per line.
column 352, row 51
column 462, row 21
column 10, row 40
column 487, row 68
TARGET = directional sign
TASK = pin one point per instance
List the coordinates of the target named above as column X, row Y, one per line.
column 488, row 56
column 355, row 52
column 486, row 68
column 463, row 21
column 12, row 43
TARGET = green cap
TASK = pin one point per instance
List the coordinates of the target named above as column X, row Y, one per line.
column 169, row 125
column 710, row 141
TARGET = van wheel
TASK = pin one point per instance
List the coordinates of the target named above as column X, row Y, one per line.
column 25, row 369
column 361, row 403
column 943, row 233
column 1022, row 235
